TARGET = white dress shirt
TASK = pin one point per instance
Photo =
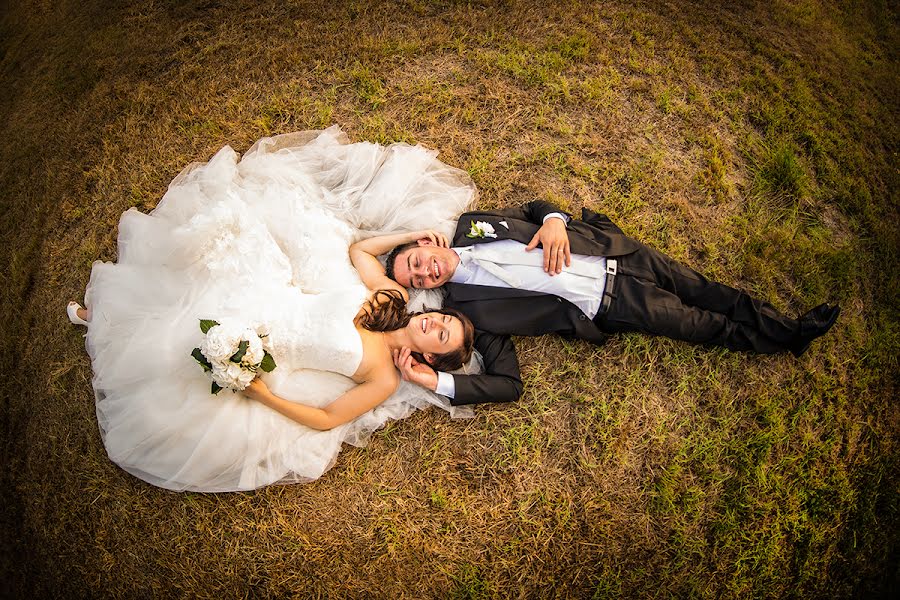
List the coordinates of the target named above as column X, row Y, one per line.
column 581, row 284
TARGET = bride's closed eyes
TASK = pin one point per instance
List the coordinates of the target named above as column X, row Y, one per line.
column 437, row 332
column 445, row 335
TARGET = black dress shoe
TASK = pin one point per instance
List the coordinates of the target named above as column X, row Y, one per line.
column 814, row 324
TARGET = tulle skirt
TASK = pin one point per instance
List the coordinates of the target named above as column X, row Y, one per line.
column 228, row 236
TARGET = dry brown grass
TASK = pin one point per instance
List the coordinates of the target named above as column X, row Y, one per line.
column 756, row 142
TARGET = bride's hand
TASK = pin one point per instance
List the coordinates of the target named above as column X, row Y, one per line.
column 256, row 390
column 437, row 238
column 414, row 371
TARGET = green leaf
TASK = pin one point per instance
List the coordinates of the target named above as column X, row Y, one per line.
column 207, row 324
column 268, row 363
column 198, row 356
column 216, row 388
column 242, row 350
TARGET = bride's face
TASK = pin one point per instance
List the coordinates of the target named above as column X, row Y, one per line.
column 435, row 333
column 425, row 266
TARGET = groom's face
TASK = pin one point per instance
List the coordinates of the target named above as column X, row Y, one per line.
column 425, row 266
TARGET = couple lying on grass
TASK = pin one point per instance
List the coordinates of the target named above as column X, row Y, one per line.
column 304, row 345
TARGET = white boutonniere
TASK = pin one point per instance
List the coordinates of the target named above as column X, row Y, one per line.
column 481, row 229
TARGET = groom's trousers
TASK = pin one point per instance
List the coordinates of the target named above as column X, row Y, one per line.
column 657, row 295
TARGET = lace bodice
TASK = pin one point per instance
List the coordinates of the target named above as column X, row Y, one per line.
column 260, row 267
column 316, row 331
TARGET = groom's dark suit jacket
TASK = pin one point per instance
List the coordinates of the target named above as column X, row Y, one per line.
column 500, row 312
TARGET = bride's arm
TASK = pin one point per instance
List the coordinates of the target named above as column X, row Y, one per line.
column 349, row 405
column 363, row 255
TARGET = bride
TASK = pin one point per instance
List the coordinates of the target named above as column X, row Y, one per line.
column 265, row 239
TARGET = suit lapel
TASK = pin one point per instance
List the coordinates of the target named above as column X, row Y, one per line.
column 506, row 228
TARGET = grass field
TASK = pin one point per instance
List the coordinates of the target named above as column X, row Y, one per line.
column 755, row 141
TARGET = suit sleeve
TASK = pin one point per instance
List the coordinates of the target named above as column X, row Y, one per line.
column 536, row 210
column 501, row 381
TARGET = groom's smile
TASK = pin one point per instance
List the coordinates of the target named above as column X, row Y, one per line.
column 425, row 266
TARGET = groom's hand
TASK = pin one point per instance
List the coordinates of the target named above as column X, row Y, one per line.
column 555, row 240
column 414, row 371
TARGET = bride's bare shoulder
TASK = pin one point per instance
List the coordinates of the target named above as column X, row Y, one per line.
column 377, row 361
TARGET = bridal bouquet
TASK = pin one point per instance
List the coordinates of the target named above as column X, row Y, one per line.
column 233, row 353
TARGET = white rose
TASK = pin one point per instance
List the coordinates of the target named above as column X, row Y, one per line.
column 245, row 379
column 227, row 375
column 234, row 372
column 218, row 345
column 220, row 375
column 255, row 352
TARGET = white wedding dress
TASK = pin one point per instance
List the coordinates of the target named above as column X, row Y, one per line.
column 261, row 238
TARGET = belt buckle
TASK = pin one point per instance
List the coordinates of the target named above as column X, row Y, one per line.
column 611, row 267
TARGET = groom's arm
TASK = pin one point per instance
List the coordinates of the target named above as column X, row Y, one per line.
column 535, row 211
column 553, row 235
column 501, row 381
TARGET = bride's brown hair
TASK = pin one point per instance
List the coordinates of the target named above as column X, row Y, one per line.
column 386, row 311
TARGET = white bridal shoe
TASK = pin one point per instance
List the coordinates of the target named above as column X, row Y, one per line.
column 72, row 311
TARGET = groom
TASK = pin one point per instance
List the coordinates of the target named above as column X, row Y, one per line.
column 591, row 280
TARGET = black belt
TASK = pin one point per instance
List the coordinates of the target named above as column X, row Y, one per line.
column 611, row 268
